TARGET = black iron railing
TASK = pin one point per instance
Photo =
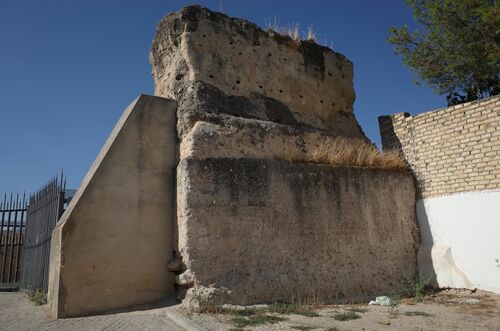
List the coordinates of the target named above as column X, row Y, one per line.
column 12, row 226
column 44, row 210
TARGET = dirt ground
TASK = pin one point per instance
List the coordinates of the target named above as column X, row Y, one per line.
column 445, row 310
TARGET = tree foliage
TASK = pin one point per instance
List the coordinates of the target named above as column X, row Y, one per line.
column 457, row 52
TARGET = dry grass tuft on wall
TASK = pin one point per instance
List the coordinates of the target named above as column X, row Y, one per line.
column 311, row 34
column 354, row 152
column 349, row 152
column 291, row 30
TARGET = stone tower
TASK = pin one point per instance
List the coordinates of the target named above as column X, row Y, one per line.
column 257, row 218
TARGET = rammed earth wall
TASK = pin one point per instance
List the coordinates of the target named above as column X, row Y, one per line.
column 281, row 80
column 255, row 230
column 242, row 223
column 252, row 226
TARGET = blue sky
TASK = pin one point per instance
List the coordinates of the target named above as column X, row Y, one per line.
column 69, row 68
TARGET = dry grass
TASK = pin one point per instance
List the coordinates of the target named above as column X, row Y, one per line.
column 348, row 152
column 292, row 30
column 346, row 316
column 311, row 34
column 354, row 152
column 277, row 307
column 285, row 308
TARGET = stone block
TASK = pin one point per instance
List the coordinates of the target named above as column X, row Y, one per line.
column 254, row 231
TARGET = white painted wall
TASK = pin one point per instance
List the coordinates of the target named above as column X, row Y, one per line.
column 469, row 223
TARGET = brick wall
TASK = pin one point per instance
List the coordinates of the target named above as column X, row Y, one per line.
column 450, row 150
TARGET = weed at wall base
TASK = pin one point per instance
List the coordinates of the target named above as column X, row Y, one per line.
column 38, row 297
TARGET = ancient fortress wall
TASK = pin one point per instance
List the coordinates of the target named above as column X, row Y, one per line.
column 256, row 220
column 455, row 155
column 257, row 230
column 230, row 205
column 296, row 82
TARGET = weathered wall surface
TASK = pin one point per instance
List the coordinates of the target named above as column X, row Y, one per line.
column 455, row 155
column 310, row 82
column 253, row 230
column 112, row 245
column 252, row 226
column 236, row 137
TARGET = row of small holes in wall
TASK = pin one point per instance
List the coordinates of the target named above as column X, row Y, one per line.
column 260, row 86
column 281, row 91
column 269, row 54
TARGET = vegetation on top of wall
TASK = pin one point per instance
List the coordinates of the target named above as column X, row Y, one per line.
column 348, row 152
column 291, row 30
column 357, row 153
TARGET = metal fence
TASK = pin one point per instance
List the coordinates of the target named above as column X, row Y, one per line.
column 43, row 211
column 12, row 225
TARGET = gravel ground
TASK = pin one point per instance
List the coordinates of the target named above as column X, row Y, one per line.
column 446, row 310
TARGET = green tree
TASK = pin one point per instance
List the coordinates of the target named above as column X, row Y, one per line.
column 457, row 52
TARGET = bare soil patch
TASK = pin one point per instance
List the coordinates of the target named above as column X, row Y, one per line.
column 444, row 310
